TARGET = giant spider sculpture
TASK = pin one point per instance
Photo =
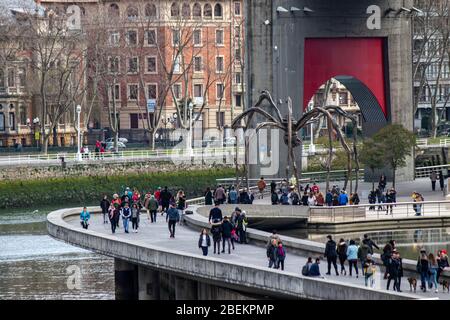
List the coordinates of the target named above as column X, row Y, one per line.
column 290, row 127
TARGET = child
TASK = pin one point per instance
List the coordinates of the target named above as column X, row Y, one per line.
column 281, row 255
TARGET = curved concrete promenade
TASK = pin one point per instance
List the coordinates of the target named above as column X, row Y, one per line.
column 149, row 265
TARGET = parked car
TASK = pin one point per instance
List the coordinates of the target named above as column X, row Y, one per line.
column 110, row 146
column 229, row 141
column 123, row 140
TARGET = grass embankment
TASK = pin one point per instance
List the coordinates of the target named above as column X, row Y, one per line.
column 90, row 189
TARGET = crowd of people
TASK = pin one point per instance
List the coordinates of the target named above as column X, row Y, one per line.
column 130, row 204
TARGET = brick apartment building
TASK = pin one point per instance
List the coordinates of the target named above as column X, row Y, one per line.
column 142, row 37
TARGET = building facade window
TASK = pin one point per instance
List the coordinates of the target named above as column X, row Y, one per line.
column 220, row 91
column 238, row 100
column 114, row 64
column 22, row 77
column 197, row 11
column 114, row 38
column 23, row 115
column 186, row 10
column 132, row 92
column 343, row 98
column 177, row 65
column 175, row 10
column 218, row 12
column 12, row 121
column 220, row 119
column 150, row 11
column 132, row 13
column 198, row 90
column 176, row 37
column 150, row 37
column 134, row 121
column 152, row 91
column 197, row 64
column 151, row 65
column 237, row 8
column 177, row 90
column 114, row 10
column 238, row 78
column 2, row 121
column 114, row 92
column 219, row 37
column 207, row 11
column 219, row 64
column 197, row 37
column 2, row 78
column 133, row 65
column 11, row 78
column 132, row 37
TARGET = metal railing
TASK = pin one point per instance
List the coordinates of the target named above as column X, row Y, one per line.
column 382, row 211
column 116, row 156
column 444, row 142
column 425, row 172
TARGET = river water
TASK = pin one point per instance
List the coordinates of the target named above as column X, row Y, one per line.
column 35, row 266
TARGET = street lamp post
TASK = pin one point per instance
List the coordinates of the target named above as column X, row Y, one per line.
column 78, row 134
column 191, row 151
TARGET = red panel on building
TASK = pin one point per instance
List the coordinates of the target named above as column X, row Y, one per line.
column 361, row 58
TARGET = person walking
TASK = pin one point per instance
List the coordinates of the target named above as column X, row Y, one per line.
column 433, row 178
column 125, row 213
column 442, row 260
column 312, row 202
column 104, row 205
column 135, row 212
column 329, row 199
column 352, row 257
column 216, row 231
column 271, row 252
column 331, row 255
column 355, row 199
column 172, row 217
column 227, row 228
column 215, row 213
column 181, row 205
column 220, row 195
column 204, row 242
column 343, row 198
column 85, row 216
column 153, row 206
column 382, row 183
column 114, row 216
column 165, row 197
column 274, row 198
column 261, row 187
column 280, row 255
column 441, row 180
column 233, row 195
column 386, row 256
column 342, row 254
column 369, row 271
column 393, row 269
column 273, row 187
column 433, row 268
column 208, row 197
column 370, row 243
column 417, row 199
column 423, row 268
column 391, row 197
column 242, row 227
column 363, row 251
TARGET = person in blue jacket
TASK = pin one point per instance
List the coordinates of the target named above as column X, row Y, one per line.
column 343, row 198
column 314, row 271
column 352, row 257
column 84, row 218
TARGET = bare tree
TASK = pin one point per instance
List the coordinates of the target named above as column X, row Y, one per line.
column 431, row 57
column 58, row 68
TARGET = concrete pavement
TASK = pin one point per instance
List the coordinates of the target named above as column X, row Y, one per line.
column 187, row 241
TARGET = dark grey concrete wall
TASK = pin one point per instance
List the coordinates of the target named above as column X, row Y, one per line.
column 283, row 42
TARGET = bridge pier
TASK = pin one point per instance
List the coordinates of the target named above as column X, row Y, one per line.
column 126, row 280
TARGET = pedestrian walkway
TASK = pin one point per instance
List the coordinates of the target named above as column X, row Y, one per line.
column 186, row 240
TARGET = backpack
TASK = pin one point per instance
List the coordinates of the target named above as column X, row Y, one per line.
column 281, row 252
column 305, row 270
